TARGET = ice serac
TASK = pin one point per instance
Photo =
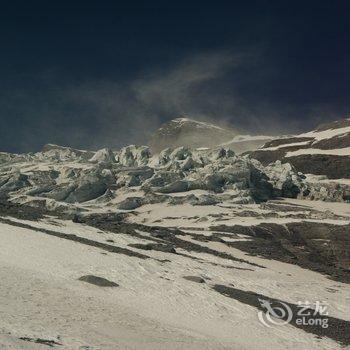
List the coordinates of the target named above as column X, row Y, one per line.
column 63, row 178
column 133, row 155
column 64, row 153
column 103, row 155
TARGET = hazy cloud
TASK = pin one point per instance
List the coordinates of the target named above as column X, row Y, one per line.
column 93, row 114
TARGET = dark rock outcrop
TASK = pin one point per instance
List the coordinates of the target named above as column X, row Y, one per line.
column 98, row 281
column 335, row 164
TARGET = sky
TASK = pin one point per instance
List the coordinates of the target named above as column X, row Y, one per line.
column 93, row 74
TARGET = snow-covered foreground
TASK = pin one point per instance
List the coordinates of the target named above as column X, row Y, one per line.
column 154, row 306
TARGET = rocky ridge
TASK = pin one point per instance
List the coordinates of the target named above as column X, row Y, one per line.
column 323, row 151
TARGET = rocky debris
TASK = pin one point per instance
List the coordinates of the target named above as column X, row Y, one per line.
column 196, row 279
column 98, row 281
column 316, row 246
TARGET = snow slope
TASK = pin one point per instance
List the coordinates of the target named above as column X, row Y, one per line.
column 154, row 307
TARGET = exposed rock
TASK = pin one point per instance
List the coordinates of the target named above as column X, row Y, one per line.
column 287, row 141
column 130, row 203
column 98, row 281
column 15, row 182
column 333, row 166
column 324, row 151
column 166, row 248
column 196, row 279
column 314, row 245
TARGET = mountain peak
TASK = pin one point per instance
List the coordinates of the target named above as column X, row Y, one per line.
column 183, row 131
column 182, row 118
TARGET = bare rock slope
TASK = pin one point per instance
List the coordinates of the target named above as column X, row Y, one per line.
column 323, row 151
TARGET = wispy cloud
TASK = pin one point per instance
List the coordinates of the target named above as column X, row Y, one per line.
column 113, row 113
column 95, row 114
column 174, row 89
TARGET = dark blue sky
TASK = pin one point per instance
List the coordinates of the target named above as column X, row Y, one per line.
column 94, row 74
